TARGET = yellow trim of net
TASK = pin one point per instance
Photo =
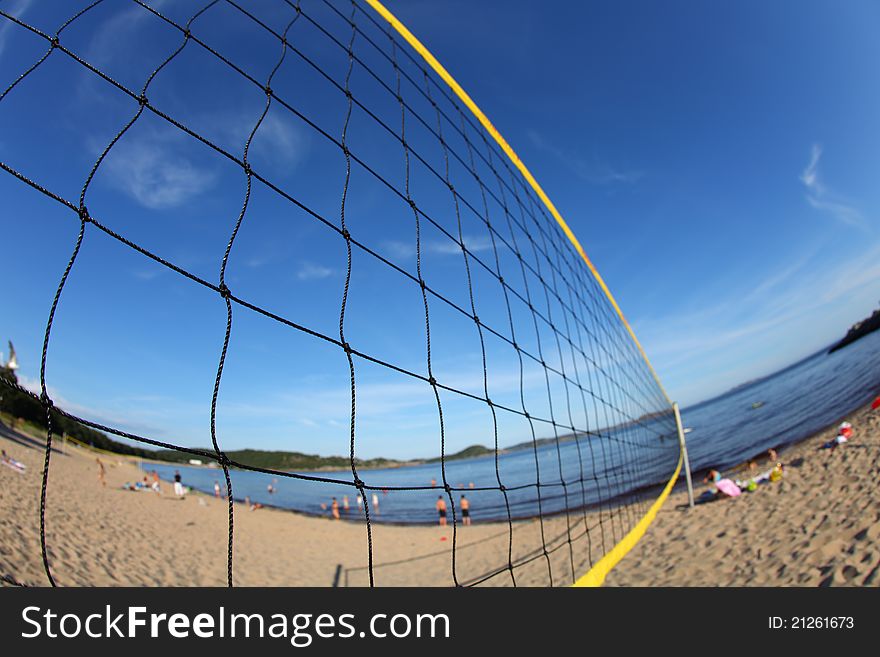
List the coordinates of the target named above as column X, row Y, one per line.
column 477, row 112
column 596, row 575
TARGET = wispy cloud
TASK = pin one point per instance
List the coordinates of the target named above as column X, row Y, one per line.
column 278, row 142
column 312, row 272
column 474, row 244
column 596, row 173
column 146, row 274
column 716, row 345
column 151, row 169
column 15, row 9
column 407, row 250
column 821, row 198
column 400, row 250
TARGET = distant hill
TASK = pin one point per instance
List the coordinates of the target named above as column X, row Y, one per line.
column 858, row 331
column 24, row 406
column 467, row 453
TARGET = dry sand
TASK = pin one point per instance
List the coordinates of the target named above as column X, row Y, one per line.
column 820, row 525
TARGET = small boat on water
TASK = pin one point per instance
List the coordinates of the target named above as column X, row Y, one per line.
column 757, row 404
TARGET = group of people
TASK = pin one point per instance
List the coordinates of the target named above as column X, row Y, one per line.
column 720, row 486
column 335, row 508
column 464, row 504
column 144, row 484
column 336, row 511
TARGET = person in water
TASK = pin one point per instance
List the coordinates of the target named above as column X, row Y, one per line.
column 465, row 511
column 441, row 510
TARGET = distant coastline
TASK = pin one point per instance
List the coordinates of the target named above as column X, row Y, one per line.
column 858, row 331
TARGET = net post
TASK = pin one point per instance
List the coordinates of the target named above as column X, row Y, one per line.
column 684, row 452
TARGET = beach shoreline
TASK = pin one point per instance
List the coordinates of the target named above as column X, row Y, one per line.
column 144, row 539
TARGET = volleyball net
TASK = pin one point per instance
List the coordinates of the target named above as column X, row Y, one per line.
column 448, row 274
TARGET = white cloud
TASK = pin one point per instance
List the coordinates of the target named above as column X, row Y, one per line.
column 311, row 272
column 596, row 173
column 150, row 169
column 278, row 143
column 400, row 250
column 474, row 244
column 146, row 274
column 715, row 347
column 821, row 198
column 16, row 9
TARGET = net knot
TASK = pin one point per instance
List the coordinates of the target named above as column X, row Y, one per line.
column 46, row 400
column 489, row 401
column 268, row 90
column 515, row 345
column 54, row 42
column 345, row 150
column 247, row 168
column 432, row 380
column 502, row 488
column 358, row 484
column 223, row 460
column 450, row 185
column 412, row 203
column 142, row 100
column 187, row 34
column 476, row 320
column 346, row 347
column 422, row 283
column 501, row 279
column 348, row 94
column 224, row 291
column 526, row 414
column 400, row 100
column 447, row 488
column 84, row 214
column 346, row 234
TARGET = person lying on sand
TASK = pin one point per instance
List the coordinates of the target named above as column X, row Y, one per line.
column 11, row 462
column 722, row 484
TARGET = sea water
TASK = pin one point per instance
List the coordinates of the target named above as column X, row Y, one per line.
column 795, row 403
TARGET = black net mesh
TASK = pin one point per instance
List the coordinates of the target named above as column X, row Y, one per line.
column 408, row 190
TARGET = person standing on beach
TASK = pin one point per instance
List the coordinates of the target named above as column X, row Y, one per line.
column 334, row 509
column 345, row 503
column 216, row 488
column 178, row 485
column 465, row 511
column 441, row 510
column 101, row 479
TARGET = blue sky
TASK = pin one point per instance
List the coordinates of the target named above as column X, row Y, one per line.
column 717, row 162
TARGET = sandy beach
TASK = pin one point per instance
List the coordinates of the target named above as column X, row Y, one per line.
column 819, row 526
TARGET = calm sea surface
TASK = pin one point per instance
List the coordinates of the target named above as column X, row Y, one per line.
column 797, row 402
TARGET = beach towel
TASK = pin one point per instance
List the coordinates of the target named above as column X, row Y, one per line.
column 727, row 487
